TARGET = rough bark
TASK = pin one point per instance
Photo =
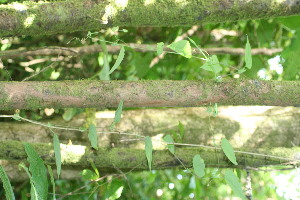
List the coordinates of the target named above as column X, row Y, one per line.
column 165, row 93
column 76, row 51
column 30, row 18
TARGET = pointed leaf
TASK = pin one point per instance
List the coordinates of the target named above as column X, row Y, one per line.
column 118, row 113
column 16, row 117
column 233, row 181
column 38, row 171
column 171, row 147
column 118, row 61
column 57, row 154
column 93, row 137
column 148, row 150
column 104, row 74
column 200, row 50
column 248, row 56
column 198, row 166
column 212, row 64
column 181, row 131
column 6, row 185
column 52, row 180
column 160, row 48
column 69, row 114
column 182, row 47
column 228, row 150
column 89, row 175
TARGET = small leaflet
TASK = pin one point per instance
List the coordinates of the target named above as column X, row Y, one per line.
column 160, row 48
column 181, row 131
column 202, row 52
column 69, row 114
column 9, row 194
column 212, row 65
column 171, row 147
column 148, row 150
column 182, row 47
column 16, row 117
column 89, row 175
column 233, row 181
column 198, row 166
column 248, row 56
column 38, row 172
column 118, row 113
column 93, row 137
column 57, row 153
column 52, row 180
column 228, row 150
column 118, row 61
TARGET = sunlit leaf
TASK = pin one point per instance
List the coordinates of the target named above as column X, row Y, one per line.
column 212, row 64
column 240, row 71
column 57, row 153
column 233, row 181
column 248, row 56
column 198, row 166
column 16, row 117
column 6, row 185
column 38, row 171
column 89, row 175
column 114, row 29
column 200, row 50
column 119, row 60
column 118, row 113
column 148, row 150
column 228, row 150
column 182, row 47
column 52, row 180
column 114, row 190
column 160, row 48
column 93, row 137
column 171, row 147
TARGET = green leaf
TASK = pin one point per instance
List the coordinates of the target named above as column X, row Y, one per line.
column 171, row 147
column 52, row 180
column 16, row 117
column 114, row 29
column 6, row 185
column 118, row 113
column 200, row 50
column 89, row 175
column 198, row 166
column 212, row 65
column 57, row 154
column 114, row 190
column 160, row 48
column 182, row 47
column 118, row 61
column 104, row 73
column 181, row 131
column 240, row 71
column 148, row 150
column 93, row 137
column 233, row 181
column 33, row 192
column 228, row 150
column 69, row 114
column 38, row 172
column 248, row 56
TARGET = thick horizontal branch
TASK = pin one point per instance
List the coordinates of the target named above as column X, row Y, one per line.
column 30, row 18
column 127, row 159
column 165, row 93
column 75, row 51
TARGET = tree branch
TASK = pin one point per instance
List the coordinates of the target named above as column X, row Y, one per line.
column 44, row 18
column 85, row 94
column 76, row 51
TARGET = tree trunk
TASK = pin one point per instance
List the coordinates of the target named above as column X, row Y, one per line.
column 30, row 18
column 100, row 94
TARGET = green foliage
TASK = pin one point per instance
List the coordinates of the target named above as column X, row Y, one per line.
column 93, row 137
column 228, row 150
column 148, row 150
column 178, row 135
column 16, row 117
column 52, row 180
column 118, row 113
column 160, row 48
column 233, row 181
column 114, row 191
column 69, row 114
column 248, row 55
column 171, row 147
column 57, row 153
column 182, row 47
column 118, row 61
column 9, row 194
column 38, row 173
column 198, row 166
column 89, row 175
column 212, row 64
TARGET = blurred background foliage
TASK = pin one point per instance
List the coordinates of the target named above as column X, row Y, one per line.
column 166, row 184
